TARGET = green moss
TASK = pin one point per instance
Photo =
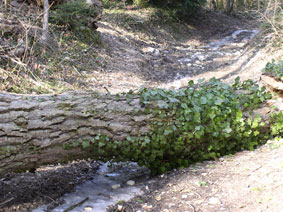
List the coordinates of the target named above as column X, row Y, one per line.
column 21, row 122
column 2, row 151
column 66, row 146
column 65, row 106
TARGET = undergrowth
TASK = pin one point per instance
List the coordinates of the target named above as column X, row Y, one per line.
column 200, row 122
column 272, row 21
column 76, row 17
column 203, row 121
column 58, row 68
column 274, row 69
column 277, row 124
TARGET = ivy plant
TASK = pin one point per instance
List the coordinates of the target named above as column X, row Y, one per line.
column 274, row 69
column 277, row 124
column 199, row 122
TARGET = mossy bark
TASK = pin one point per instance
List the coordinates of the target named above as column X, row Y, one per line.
column 33, row 129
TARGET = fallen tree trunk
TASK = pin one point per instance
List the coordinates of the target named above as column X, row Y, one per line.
column 157, row 128
column 33, row 129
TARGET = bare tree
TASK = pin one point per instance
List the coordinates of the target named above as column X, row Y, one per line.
column 7, row 4
column 213, row 4
column 229, row 6
column 45, row 21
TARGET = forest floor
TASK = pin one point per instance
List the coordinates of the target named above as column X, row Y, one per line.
column 244, row 182
column 135, row 51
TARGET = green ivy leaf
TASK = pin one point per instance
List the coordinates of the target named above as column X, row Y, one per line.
column 75, row 143
column 147, row 139
column 218, row 101
column 203, row 100
column 85, row 144
column 162, row 104
column 227, row 130
column 200, row 80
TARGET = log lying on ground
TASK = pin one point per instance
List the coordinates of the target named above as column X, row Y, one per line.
column 34, row 128
column 48, row 129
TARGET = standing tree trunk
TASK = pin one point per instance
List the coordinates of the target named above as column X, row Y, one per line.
column 7, row 4
column 229, row 6
column 45, row 22
column 213, row 5
column 34, row 129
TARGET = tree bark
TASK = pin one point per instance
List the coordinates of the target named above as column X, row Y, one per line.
column 33, row 129
column 213, row 5
column 45, row 22
column 229, row 6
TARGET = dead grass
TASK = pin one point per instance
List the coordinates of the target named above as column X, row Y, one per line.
column 26, row 67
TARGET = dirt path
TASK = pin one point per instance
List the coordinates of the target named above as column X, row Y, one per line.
column 216, row 46
column 245, row 182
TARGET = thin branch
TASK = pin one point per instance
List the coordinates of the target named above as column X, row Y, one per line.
column 76, row 205
column 8, row 200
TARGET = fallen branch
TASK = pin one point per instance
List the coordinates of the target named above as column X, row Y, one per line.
column 8, row 200
column 76, row 205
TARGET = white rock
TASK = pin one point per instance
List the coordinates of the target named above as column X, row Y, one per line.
column 156, row 52
column 201, row 57
column 184, row 196
column 88, row 208
column 131, row 183
column 184, row 60
column 150, row 49
column 147, row 206
column 170, row 205
column 93, row 79
column 116, row 186
column 214, row 201
column 120, row 207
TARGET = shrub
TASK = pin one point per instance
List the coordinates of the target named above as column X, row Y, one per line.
column 183, row 8
column 201, row 122
column 274, row 69
column 277, row 124
column 79, row 18
column 73, row 15
column 140, row 3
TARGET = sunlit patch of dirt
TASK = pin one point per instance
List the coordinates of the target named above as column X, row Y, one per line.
column 247, row 181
